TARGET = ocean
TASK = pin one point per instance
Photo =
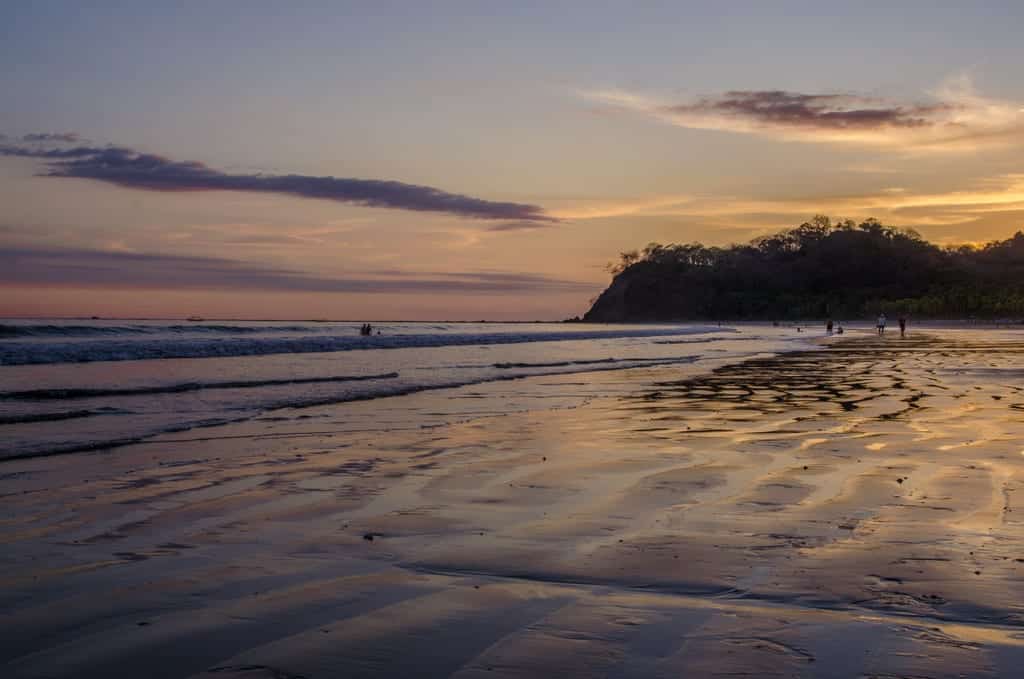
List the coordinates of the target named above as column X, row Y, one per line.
column 84, row 385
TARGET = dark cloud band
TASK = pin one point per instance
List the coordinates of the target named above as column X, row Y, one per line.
column 55, row 267
column 126, row 167
column 61, row 137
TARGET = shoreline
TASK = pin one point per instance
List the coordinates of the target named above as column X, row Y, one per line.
column 847, row 508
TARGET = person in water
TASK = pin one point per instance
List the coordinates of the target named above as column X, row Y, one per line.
column 881, row 324
column 903, row 326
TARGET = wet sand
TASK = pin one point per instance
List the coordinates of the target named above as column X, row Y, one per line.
column 849, row 511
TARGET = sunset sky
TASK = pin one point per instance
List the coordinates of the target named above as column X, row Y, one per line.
column 477, row 159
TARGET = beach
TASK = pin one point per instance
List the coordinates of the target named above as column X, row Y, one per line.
column 843, row 507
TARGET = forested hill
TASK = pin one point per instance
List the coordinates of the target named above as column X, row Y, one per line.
column 819, row 269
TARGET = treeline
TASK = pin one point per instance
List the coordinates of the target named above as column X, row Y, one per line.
column 819, row 269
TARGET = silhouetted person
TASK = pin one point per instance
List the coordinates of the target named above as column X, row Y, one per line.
column 839, row 330
column 881, row 324
column 828, row 327
column 903, row 326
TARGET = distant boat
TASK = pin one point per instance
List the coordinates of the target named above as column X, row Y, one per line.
column 195, row 318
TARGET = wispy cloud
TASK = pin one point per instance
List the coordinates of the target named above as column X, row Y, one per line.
column 597, row 209
column 516, row 226
column 56, row 267
column 996, row 197
column 954, row 118
column 129, row 168
column 996, row 194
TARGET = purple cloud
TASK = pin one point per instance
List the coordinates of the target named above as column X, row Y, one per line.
column 822, row 111
column 953, row 118
column 126, row 167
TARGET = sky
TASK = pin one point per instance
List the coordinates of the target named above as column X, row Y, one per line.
column 474, row 160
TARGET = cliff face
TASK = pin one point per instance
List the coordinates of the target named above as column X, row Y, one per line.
column 610, row 306
column 644, row 292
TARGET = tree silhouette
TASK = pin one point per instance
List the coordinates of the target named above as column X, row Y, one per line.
column 820, row 268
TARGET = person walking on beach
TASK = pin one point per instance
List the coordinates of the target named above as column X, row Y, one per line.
column 881, row 324
column 903, row 326
column 828, row 327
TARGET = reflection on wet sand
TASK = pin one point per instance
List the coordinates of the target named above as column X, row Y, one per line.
column 847, row 511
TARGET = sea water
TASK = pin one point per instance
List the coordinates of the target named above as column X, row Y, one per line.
column 72, row 385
